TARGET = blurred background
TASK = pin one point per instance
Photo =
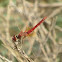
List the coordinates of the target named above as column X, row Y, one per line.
column 44, row 44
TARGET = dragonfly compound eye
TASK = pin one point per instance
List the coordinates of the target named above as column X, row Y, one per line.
column 14, row 38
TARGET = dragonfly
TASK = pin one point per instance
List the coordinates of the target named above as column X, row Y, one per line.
column 14, row 38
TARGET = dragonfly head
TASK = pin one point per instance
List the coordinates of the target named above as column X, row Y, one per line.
column 14, row 38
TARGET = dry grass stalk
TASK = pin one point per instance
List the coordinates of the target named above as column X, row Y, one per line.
column 47, row 31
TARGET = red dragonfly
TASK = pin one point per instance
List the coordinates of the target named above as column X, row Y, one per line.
column 14, row 38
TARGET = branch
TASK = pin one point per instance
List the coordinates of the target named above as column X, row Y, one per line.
column 5, row 59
